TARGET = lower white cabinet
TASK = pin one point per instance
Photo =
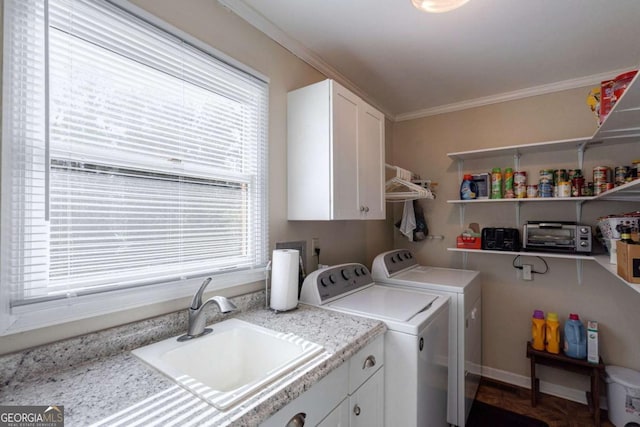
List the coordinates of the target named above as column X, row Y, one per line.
column 350, row 396
column 367, row 403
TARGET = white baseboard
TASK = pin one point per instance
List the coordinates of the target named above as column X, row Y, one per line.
column 545, row 387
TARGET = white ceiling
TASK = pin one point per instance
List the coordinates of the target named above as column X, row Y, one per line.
column 409, row 63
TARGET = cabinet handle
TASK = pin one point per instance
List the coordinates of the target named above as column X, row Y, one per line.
column 356, row 410
column 297, row 420
column 369, row 362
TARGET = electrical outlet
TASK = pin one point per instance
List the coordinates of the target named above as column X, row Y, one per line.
column 527, row 272
column 301, row 246
column 315, row 244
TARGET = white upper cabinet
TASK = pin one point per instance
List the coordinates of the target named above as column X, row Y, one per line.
column 335, row 155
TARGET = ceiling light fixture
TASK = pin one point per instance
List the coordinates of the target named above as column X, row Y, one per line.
column 437, row 6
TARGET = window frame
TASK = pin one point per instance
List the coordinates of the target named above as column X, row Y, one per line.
column 52, row 312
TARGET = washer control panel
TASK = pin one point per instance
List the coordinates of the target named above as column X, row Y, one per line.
column 397, row 260
column 327, row 284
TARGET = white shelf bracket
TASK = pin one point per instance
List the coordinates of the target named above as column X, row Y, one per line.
column 465, row 257
column 579, row 271
column 460, row 169
column 517, row 214
column 461, row 216
column 579, row 211
column 582, row 147
column 516, row 162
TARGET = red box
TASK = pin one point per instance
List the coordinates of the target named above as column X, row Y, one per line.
column 468, row 242
column 606, row 98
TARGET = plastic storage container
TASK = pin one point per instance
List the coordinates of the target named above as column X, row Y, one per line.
column 496, row 183
column 575, row 338
column 623, row 396
column 537, row 330
column 552, row 333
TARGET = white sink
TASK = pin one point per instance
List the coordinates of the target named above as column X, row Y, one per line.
column 231, row 363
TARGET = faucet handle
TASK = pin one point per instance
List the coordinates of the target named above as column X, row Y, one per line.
column 196, row 302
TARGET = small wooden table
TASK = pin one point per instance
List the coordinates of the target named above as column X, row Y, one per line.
column 581, row 366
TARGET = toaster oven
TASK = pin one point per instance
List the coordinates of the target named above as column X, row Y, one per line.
column 557, row 236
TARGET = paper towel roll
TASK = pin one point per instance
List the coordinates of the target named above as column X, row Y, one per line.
column 284, row 279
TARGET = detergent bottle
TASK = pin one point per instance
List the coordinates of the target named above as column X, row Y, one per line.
column 575, row 338
column 537, row 330
column 552, row 333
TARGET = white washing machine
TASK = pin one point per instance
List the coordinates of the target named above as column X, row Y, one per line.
column 415, row 344
column 400, row 268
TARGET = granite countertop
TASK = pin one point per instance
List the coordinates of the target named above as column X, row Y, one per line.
column 99, row 382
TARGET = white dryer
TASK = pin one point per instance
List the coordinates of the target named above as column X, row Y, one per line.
column 400, row 268
column 415, row 344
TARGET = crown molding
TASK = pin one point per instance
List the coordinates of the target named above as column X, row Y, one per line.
column 258, row 21
column 510, row 96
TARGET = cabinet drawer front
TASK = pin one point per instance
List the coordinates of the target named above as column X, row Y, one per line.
column 365, row 363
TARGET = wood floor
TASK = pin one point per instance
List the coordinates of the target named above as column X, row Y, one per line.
column 553, row 410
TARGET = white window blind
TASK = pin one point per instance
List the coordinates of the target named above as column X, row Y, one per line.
column 130, row 157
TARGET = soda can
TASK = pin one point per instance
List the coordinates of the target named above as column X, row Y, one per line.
column 532, row 191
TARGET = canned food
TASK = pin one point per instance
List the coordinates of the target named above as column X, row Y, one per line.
column 599, row 188
column 588, row 189
column 520, row 177
column 577, row 184
column 560, row 175
column 574, row 173
column 545, row 189
column 546, row 176
column 601, row 175
column 532, row 191
column 635, row 170
column 521, row 191
column 621, row 173
column 564, row 189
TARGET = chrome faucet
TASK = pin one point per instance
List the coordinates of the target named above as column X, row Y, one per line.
column 196, row 312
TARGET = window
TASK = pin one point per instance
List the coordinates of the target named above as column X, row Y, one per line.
column 133, row 159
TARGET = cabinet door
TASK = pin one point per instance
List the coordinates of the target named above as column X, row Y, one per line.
column 339, row 417
column 367, row 403
column 312, row 406
column 345, row 155
column 371, row 162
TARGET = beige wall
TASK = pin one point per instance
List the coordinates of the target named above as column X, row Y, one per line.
column 357, row 241
column 508, row 302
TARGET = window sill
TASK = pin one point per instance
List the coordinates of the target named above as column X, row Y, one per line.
column 50, row 313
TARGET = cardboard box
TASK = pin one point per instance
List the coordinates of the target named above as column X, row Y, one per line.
column 592, row 342
column 628, row 261
column 483, row 182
